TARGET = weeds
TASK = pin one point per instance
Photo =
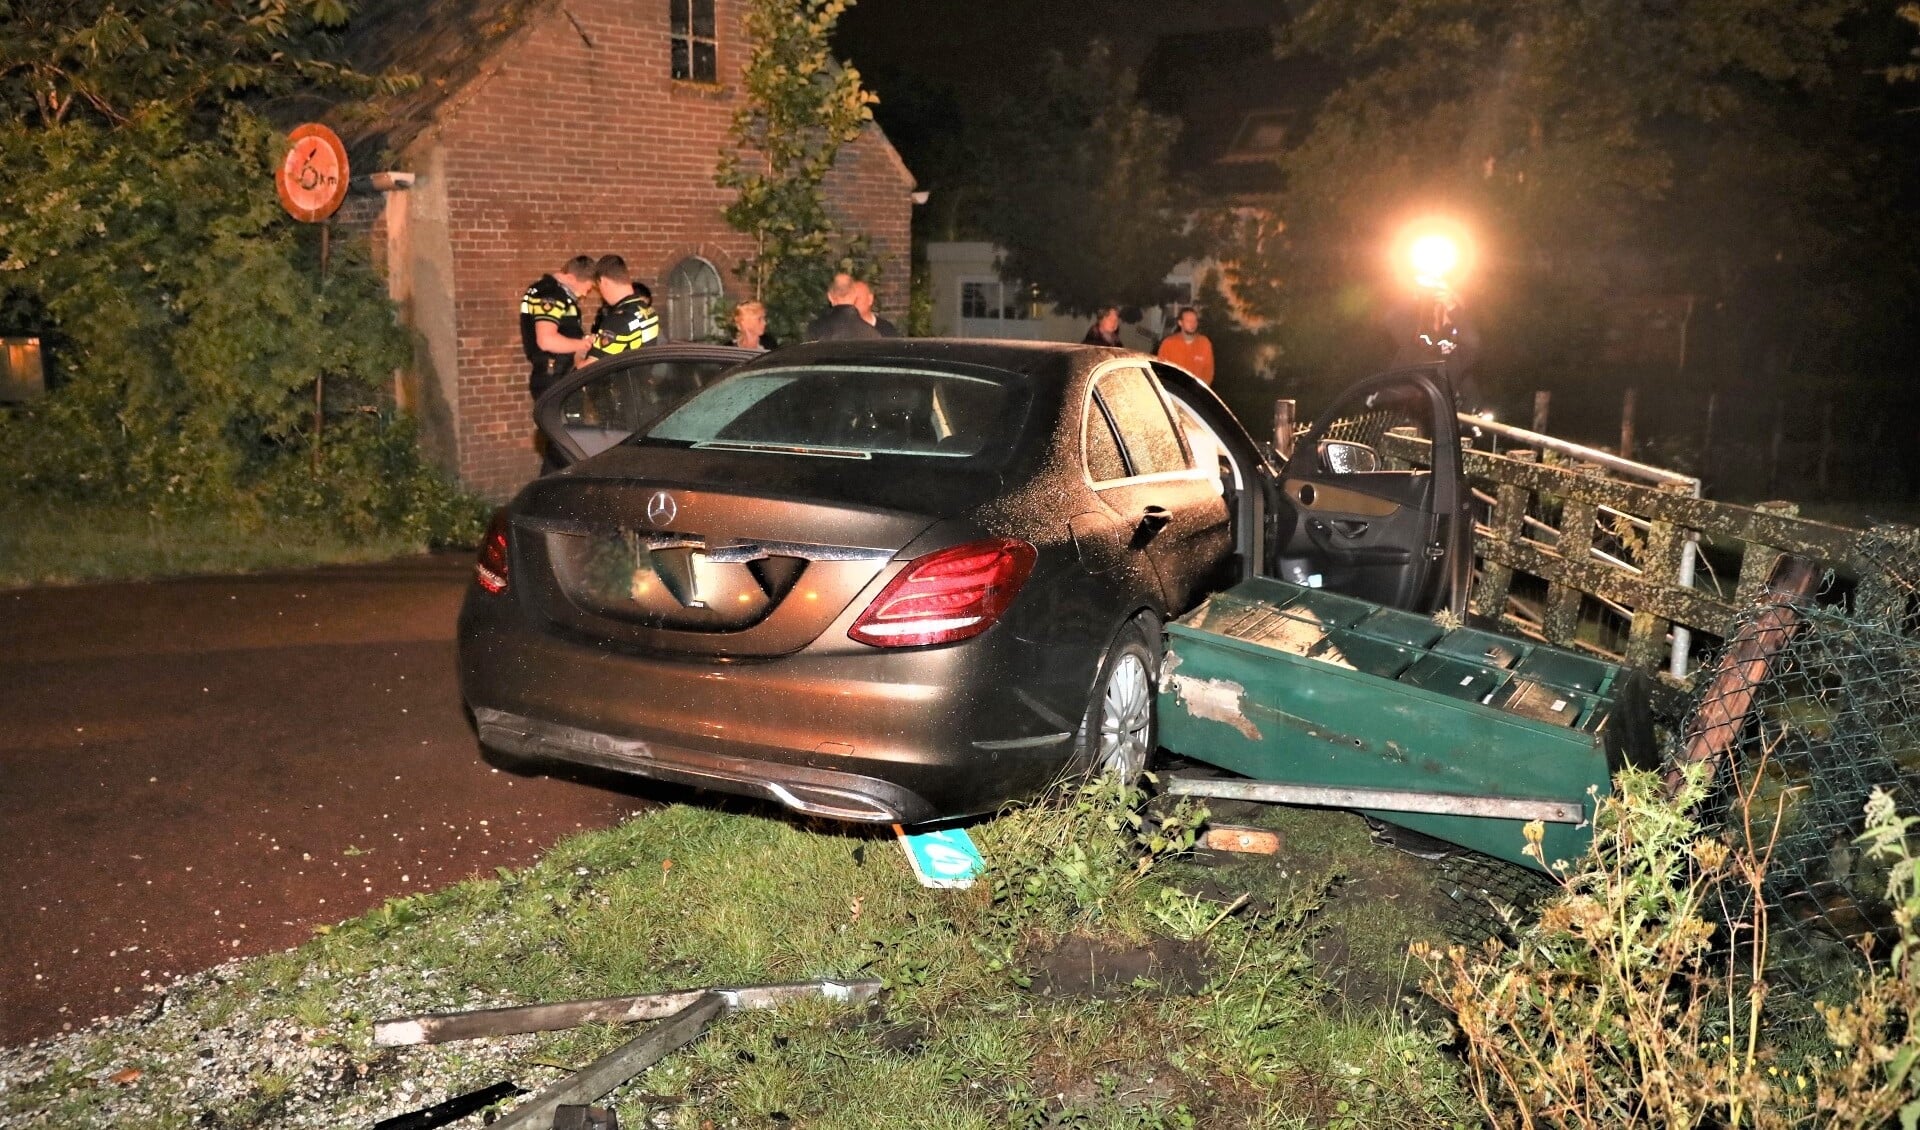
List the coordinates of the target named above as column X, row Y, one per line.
column 1639, row 1000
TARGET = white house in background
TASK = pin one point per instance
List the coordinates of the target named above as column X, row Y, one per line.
column 971, row 300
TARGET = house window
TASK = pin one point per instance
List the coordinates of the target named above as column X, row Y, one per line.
column 693, row 289
column 991, row 298
column 695, row 53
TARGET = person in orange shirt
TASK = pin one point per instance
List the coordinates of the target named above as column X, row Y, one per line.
column 1189, row 348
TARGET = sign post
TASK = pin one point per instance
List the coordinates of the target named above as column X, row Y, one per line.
column 312, row 181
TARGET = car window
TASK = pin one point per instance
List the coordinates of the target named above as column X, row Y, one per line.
column 632, row 397
column 1370, row 433
column 1206, row 447
column 856, row 412
column 1104, row 462
column 1139, row 414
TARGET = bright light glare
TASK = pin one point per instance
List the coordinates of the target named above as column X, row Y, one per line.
column 1434, row 257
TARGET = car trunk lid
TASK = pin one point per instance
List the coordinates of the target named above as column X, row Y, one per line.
column 703, row 572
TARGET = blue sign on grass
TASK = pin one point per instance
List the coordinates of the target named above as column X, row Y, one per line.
column 942, row 859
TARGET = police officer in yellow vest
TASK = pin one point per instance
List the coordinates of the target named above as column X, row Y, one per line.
column 550, row 332
column 627, row 319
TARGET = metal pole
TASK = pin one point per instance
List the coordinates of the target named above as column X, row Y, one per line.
column 1383, row 800
column 1626, row 422
column 1542, row 401
column 320, row 378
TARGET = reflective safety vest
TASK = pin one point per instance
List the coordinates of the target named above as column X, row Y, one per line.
column 626, row 326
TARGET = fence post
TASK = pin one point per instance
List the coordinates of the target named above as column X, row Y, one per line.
column 1661, row 563
column 1706, row 438
column 1542, row 401
column 1626, row 422
column 1562, row 622
column 1509, row 514
column 1826, row 446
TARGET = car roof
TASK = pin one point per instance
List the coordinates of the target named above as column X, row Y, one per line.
column 1026, row 357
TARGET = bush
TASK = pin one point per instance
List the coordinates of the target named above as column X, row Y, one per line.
column 1637, row 999
column 200, row 325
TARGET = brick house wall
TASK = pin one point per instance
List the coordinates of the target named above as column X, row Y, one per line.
column 574, row 139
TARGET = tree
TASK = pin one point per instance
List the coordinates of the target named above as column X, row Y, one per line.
column 1084, row 200
column 801, row 107
column 114, row 59
column 139, row 226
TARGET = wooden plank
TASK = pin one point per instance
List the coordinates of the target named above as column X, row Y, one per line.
column 440, row 1027
column 1742, row 667
column 617, row 1066
column 1562, row 621
column 1692, row 607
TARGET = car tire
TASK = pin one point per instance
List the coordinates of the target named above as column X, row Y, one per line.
column 1120, row 730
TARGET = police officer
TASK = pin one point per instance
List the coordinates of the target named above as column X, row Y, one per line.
column 627, row 321
column 550, row 331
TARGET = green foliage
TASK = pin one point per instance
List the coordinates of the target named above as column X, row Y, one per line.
column 1084, row 200
column 1069, row 858
column 1621, row 1006
column 801, row 106
column 197, row 324
column 117, row 61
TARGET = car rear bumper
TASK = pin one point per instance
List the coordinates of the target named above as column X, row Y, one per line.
column 847, row 731
column 817, row 792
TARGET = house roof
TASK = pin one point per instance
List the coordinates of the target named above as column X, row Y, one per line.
column 447, row 44
column 1241, row 106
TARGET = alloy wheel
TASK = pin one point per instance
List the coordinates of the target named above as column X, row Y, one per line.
column 1126, row 719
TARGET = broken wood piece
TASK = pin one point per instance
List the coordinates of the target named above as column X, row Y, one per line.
column 1742, row 667
column 1239, row 838
column 453, row 1109
column 574, row 1117
column 439, row 1027
column 619, row 1065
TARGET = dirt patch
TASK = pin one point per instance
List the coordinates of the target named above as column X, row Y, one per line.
column 1084, row 967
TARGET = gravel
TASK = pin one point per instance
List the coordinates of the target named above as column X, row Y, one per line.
column 208, row 1056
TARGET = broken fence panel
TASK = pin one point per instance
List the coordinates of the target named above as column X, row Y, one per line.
column 619, row 1065
column 440, row 1027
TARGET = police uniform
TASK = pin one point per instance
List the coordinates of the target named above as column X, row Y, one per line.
column 624, row 327
column 547, row 300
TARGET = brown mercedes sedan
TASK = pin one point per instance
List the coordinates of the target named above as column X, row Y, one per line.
column 890, row 581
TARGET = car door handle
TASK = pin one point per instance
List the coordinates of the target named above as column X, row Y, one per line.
column 1349, row 528
column 1155, row 517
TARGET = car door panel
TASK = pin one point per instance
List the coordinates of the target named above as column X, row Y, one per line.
column 1390, row 531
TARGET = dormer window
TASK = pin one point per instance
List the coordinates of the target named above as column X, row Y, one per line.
column 695, row 51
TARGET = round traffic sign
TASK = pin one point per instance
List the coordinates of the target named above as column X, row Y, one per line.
column 312, row 177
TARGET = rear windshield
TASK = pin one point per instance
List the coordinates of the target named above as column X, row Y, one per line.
column 853, row 412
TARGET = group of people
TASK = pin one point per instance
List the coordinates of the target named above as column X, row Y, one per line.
column 1186, row 347
column 552, row 334
column 557, row 342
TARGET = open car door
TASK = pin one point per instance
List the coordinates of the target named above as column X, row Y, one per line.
column 1379, row 500
column 591, row 409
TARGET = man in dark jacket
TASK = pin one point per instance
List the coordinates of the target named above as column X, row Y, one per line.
column 842, row 321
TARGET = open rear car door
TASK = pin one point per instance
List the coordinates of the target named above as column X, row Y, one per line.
column 591, row 409
column 1380, row 504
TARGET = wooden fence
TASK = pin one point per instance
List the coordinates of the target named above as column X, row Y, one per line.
column 1600, row 544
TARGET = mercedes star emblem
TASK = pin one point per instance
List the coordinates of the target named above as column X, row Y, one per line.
column 661, row 509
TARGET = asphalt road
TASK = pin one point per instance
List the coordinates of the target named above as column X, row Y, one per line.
column 198, row 769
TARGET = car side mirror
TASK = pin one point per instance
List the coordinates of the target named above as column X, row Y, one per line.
column 1283, row 425
column 1338, row 457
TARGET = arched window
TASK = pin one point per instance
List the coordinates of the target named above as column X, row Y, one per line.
column 693, row 288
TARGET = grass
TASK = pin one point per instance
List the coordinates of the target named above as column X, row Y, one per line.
column 688, row 896
column 99, row 542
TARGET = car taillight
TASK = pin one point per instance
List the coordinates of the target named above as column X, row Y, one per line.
column 491, row 569
column 952, row 594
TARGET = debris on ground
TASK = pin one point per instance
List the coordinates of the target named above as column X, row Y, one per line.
column 440, row 1027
